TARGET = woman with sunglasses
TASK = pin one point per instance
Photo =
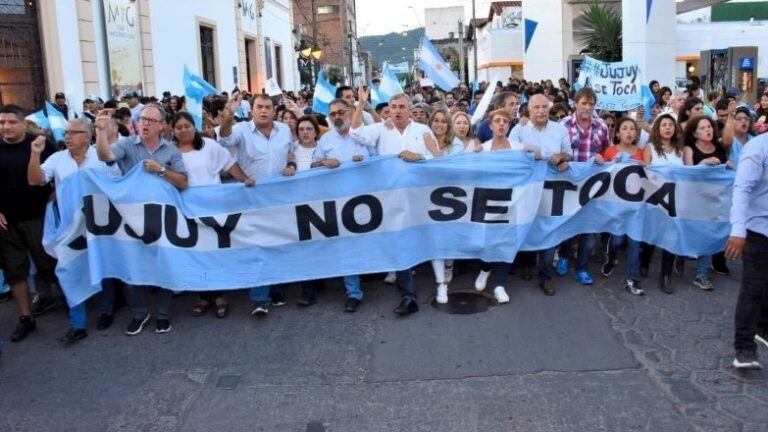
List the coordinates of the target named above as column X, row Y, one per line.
column 205, row 160
column 610, row 123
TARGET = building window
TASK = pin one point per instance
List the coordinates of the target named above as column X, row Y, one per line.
column 207, row 54
column 268, row 57
column 329, row 9
column 279, row 65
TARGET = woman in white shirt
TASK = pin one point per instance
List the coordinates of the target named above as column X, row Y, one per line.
column 462, row 132
column 205, row 160
column 500, row 121
column 304, row 149
column 664, row 148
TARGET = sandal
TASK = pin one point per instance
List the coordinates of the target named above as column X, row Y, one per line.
column 222, row 309
column 201, row 308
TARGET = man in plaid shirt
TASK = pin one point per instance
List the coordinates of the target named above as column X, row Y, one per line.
column 589, row 138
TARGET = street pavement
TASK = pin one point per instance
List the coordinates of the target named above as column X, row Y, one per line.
column 587, row 359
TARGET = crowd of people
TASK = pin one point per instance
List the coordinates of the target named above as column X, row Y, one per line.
column 246, row 138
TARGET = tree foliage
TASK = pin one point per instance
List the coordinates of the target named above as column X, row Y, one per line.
column 603, row 32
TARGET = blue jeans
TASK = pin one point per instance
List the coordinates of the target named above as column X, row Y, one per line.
column 352, row 285
column 546, row 258
column 633, row 254
column 586, row 247
column 77, row 315
column 137, row 300
column 260, row 294
column 702, row 265
column 406, row 284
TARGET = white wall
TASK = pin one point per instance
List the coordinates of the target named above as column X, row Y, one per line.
column 277, row 25
column 176, row 36
column 694, row 38
column 440, row 22
column 68, row 44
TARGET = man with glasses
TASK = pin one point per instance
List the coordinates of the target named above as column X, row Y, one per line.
column 263, row 147
column 22, row 208
column 337, row 146
column 157, row 156
column 62, row 164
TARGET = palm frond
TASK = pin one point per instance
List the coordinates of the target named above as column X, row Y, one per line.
column 603, row 33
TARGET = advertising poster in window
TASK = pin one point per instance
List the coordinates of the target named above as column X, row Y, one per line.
column 124, row 46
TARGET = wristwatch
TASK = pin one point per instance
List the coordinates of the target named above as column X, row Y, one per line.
column 162, row 171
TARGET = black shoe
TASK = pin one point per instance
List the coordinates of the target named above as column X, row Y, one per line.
column 407, row 306
column 634, row 287
column 42, row 304
column 665, row 284
column 746, row 360
column 306, row 299
column 526, row 273
column 720, row 268
column 278, row 299
column 73, row 335
column 136, row 326
column 105, row 320
column 351, row 304
column 644, row 271
column 6, row 296
column 608, row 267
column 162, row 326
column 26, row 326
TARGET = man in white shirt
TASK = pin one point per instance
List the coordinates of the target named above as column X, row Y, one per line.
column 263, row 147
column 60, row 165
column 348, row 94
column 405, row 139
column 552, row 141
column 337, row 146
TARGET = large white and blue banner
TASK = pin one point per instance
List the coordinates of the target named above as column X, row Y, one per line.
column 377, row 215
column 618, row 85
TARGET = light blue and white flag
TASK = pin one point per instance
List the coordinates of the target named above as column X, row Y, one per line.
column 324, row 93
column 388, row 87
column 57, row 123
column 378, row 215
column 648, row 101
column 39, row 118
column 195, row 89
column 433, row 65
column 482, row 106
column 618, row 85
column 400, row 68
column 376, row 96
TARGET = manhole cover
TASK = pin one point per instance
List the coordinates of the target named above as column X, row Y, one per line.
column 465, row 303
column 228, row 382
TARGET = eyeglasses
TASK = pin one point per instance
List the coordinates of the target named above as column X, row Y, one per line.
column 306, row 129
column 74, row 132
column 149, row 120
column 561, row 116
column 338, row 113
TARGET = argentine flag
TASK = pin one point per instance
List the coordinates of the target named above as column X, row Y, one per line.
column 57, row 121
column 433, row 65
column 39, row 119
column 195, row 89
column 389, row 86
column 325, row 92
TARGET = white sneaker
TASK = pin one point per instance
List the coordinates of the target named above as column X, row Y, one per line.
column 391, row 278
column 442, row 293
column 501, row 295
column 448, row 274
column 482, row 280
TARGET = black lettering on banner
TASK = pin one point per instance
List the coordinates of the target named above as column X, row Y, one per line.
column 348, row 214
column 558, row 188
column 113, row 218
column 605, row 182
column 172, row 225
column 446, row 197
column 620, row 183
column 665, row 197
column 223, row 232
column 480, row 207
column 78, row 244
column 327, row 224
column 153, row 224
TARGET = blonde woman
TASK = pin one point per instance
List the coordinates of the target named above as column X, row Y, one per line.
column 462, row 132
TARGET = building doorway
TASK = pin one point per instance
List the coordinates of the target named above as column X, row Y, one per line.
column 22, row 80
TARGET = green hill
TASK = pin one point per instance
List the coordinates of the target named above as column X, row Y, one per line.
column 392, row 47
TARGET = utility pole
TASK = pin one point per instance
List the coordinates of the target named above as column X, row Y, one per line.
column 351, row 57
column 474, row 40
column 314, row 71
column 461, row 52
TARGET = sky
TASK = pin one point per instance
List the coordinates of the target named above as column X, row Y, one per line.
column 375, row 17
